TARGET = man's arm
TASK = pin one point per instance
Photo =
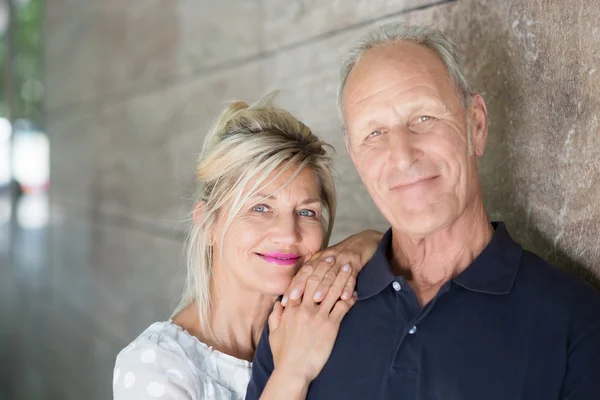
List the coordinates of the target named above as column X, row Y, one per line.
column 582, row 378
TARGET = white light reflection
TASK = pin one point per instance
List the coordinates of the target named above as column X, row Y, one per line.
column 31, row 156
column 5, row 131
column 5, row 210
column 33, row 211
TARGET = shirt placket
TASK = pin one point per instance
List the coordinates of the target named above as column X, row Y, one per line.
column 406, row 360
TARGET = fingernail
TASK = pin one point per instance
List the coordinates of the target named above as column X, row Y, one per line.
column 295, row 294
column 317, row 296
column 346, row 268
column 355, row 294
column 284, row 300
column 329, row 259
column 346, row 295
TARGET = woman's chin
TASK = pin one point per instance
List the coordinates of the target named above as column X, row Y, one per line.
column 275, row 287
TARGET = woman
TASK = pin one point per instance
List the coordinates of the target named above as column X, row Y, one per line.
column 266, row 205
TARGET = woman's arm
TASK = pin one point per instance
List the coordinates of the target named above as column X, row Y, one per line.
column 301, row 339
column 142, row 371
column 355, row 251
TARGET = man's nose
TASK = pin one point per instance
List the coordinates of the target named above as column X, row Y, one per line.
column 402, row 148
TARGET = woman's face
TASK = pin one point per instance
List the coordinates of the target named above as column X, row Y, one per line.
column 272, row 234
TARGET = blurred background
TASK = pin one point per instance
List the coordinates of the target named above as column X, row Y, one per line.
column 104, row 105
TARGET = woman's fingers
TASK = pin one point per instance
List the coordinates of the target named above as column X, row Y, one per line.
column 296, row 287
column 346, row 254
column 275, row 316
column 350, row 286
column 328, row 280
column 318, row 265
column 323, row 270
column 341, row 308
column 335, row 289
column 348, row 260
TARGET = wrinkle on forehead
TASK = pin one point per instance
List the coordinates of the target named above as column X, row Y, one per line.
column 396, row 68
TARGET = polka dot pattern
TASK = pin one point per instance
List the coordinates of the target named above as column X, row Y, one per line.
column 167, row 362
column 148, row 356
column 129, row 380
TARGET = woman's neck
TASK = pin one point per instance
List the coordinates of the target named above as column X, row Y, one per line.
column 236, row 320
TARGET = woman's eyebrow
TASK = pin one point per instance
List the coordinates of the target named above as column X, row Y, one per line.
column 273, row 197
column 310, row 201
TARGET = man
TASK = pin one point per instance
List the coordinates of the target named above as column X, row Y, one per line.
column 450, row 307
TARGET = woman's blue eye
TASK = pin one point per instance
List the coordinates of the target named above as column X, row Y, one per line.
column 260, row 208
column 307, row 213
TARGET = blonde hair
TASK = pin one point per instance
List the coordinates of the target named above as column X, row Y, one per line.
column 247, row 143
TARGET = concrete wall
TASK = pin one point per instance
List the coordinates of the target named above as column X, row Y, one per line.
column 133, row 87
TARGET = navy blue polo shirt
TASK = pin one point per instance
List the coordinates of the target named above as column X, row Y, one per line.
column 509, row 327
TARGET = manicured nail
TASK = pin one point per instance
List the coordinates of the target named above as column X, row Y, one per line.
column 295, row 295
column 346, row 294
column 329, row 259
column 355, row 294
column 317, row 296
column 346, row 268
column 284, row 300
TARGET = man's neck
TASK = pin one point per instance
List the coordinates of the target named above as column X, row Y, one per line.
column 429, row 262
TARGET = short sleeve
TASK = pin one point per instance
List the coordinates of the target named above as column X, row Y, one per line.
column 154, row 367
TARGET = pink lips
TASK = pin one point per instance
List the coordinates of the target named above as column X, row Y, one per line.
column 280, row 258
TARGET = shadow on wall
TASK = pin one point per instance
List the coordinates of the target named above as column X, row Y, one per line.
column 532, row 104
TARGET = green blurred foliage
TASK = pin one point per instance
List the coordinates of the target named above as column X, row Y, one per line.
column 28, row 63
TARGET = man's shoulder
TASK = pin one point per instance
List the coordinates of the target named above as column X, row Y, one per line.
column 554, row 285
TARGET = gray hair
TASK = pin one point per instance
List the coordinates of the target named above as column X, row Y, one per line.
column 396, row 32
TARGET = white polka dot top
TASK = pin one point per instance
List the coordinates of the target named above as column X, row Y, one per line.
column 166, row 362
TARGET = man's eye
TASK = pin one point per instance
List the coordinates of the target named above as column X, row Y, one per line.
column 375, row 133
column 423, row 118
column 260, row 208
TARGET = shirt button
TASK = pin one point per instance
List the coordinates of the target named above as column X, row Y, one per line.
column 412, row 330
column 396, row 286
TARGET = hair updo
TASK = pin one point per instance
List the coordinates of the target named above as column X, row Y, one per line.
column 248, row 143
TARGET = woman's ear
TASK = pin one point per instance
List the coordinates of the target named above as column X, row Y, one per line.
column 198, row 211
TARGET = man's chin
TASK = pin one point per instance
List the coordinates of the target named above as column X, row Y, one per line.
column 418, row 222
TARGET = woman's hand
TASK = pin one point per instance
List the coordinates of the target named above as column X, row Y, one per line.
column 350, row 255
column 303, row 334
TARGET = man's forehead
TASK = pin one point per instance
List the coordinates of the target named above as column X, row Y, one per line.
column 401, row 57
column 395, row 64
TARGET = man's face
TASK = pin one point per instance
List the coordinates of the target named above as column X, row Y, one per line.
column 407, row 136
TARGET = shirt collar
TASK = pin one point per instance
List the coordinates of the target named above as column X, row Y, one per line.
column 377, row 273
column 493, row 271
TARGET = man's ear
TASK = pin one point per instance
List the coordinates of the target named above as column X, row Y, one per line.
column 479, row 124
column 198, row 211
